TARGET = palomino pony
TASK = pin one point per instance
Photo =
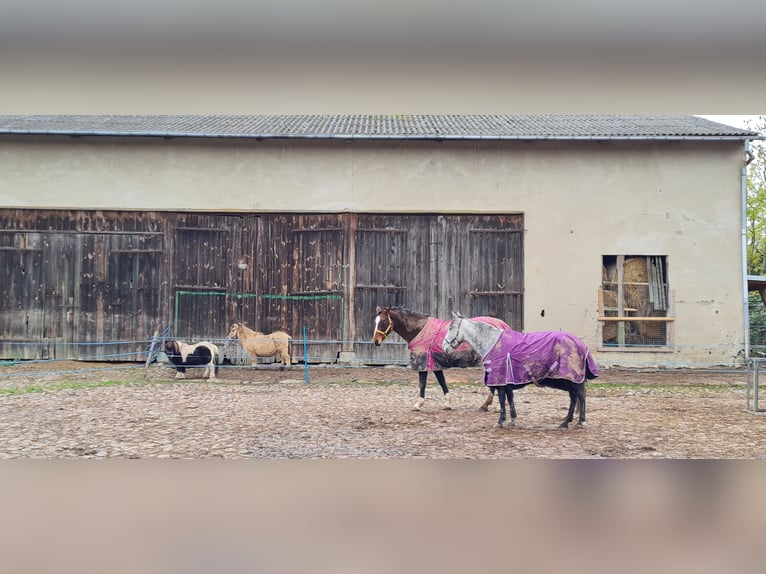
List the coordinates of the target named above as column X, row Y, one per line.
column 257, row 344
column 512, row 359
column 424, row 336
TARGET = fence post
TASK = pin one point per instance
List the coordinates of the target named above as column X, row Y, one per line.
column 305, row 357
column 152, row 349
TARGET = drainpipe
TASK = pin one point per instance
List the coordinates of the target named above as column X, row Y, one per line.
column 743, row 192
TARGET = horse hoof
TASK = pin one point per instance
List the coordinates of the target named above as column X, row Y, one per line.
column 580, row 425
column 484, row 408
column 498, row 425
column 417, row 405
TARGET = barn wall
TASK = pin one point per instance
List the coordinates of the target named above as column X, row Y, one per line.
column 87, row 285
column 580, row 201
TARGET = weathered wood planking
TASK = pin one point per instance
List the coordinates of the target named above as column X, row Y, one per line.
column 74, row 280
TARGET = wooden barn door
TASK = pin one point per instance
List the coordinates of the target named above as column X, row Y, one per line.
column 102, row 294
column 60, row 304
column 497, row 288
column 319, row 254
column 80, row 295
column 296, row 278
column 120, row 300
column 202, row 258
column 434, row 264
column 21, row 295
column 384, row 254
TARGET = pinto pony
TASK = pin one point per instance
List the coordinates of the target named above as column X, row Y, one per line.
column 182, row 355
column 257, row 344
column 424, row 336
column 514, row 360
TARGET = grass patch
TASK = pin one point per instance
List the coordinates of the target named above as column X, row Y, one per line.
column 66, row 385
column 662, row 388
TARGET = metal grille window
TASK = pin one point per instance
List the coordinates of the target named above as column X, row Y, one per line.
column 635, row 303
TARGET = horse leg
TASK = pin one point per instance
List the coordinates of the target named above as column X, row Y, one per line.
column 443, row 384
column 511, row 404
column 422, row 375
column 501, row 399
column 580, row 391
column 572, row 403
column 488, row 402
column 180, row 372
column 490, row 396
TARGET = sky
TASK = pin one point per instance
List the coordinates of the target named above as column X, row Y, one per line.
column 738, row 121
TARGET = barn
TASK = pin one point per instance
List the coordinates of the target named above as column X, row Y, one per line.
column 624, row 230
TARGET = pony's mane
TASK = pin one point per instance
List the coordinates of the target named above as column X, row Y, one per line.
column 245, row 328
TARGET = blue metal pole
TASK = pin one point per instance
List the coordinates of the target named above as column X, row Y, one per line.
column 305, row 357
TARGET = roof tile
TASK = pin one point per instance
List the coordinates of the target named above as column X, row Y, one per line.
column 379, row 126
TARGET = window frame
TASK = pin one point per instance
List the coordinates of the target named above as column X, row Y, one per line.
column 623, row 312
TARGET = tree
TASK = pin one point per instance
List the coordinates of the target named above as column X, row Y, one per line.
column 756, row 202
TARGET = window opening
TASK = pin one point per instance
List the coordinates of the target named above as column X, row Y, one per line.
column 635, row 303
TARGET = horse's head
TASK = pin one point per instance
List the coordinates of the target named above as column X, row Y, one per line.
column 454, row 335
column 171, row 347
column 383, row 325
column 234, row 331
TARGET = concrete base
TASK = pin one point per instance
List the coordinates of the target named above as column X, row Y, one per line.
column 347, row 358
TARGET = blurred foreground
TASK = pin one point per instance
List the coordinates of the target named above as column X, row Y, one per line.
column 387, row 516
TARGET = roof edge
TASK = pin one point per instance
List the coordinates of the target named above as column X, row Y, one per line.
column 341, row 136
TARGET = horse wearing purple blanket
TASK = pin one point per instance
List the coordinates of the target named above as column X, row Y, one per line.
column 514, row 360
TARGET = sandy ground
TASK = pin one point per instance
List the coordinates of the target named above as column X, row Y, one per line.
column 81, row 410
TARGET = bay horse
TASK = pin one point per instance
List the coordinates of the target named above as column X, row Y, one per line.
column 513, row 360
column 424, row 335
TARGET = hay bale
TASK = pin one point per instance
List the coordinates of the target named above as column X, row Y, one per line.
column 636, row 296
column 609, row 328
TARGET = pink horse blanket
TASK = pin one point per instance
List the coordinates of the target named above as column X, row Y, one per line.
column 426, row 353
column 521, row 358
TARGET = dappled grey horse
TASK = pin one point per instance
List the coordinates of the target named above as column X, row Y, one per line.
column 513, row 360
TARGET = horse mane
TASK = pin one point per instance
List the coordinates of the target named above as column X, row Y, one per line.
column 253, row 334
column 246, row 329
column 405, row 310
column 482, row 326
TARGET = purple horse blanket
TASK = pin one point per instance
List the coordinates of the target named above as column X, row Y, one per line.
column 426, row 353
column 521, row 358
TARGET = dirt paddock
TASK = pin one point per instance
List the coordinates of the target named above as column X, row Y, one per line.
column 81, row 410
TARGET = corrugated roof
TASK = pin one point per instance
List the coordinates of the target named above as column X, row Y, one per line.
column 457, row 127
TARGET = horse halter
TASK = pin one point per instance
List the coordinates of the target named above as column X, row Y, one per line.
column 388, row 329
column 453, row 341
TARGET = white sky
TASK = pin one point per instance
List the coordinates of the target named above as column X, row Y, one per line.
column 734, row 120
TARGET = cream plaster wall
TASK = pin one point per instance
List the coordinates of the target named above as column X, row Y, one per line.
column 581, row 200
